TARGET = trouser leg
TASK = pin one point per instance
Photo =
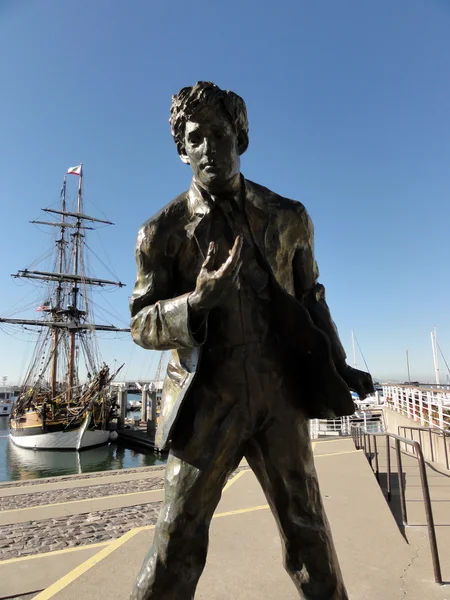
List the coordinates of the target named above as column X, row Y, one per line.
column 281, row 457
column 196, row 472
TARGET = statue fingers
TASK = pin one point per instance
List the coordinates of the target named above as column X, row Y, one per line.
column 208, row 262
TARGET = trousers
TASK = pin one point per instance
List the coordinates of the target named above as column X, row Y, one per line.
column 241, row 405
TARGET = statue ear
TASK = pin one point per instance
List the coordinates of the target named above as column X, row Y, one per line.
column 242, row 142
column 182, row 154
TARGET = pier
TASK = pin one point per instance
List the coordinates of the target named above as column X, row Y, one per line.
column 141, row 431
column 136, row 386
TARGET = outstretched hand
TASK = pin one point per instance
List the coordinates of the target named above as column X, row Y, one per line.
column 358, row 381
column 212, row 284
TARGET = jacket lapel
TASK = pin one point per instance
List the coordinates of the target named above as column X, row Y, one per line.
column 256, row 209
column 270, row 235
column 257, row 215
column 198, row 226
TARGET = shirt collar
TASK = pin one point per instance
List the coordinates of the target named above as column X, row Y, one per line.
column 201, row 202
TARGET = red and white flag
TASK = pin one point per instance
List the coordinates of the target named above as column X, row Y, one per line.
column 44, row 307
column 75, row 170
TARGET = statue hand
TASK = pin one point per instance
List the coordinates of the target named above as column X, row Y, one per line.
column 358, row 381
column 211, row 285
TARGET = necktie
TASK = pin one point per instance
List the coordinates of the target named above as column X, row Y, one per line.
column 251, row 270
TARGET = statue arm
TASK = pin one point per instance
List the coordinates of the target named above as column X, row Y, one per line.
column 312, row 293
column 159, row 321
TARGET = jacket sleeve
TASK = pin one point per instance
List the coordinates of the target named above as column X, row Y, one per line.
column 159, row 321
column 310, row 292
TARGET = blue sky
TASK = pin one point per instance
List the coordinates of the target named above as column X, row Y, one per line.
column 348, row 106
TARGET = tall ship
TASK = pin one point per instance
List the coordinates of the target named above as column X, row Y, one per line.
column 66, row 401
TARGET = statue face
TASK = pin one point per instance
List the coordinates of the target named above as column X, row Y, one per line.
column 211, row 148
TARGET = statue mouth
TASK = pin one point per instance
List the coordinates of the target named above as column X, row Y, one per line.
column 208, row 167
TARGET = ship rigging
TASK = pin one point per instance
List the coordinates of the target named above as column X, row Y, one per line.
column 55, row 409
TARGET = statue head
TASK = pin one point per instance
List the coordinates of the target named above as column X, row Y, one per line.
column 210, row 129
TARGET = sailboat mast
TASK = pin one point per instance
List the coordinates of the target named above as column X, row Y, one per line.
column 61, row 252
column 355, row 364
column 435, row 356
column 75, row 289
column 407, row 365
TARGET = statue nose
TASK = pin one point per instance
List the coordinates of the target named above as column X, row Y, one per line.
column 210, row 147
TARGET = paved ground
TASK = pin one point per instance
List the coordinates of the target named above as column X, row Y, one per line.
column 104, row 524
column 79, row 493
column 416, row 532
column 45, row 518
column 33, row 537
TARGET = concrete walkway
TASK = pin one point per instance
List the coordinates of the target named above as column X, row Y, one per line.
column 48, row 527
column 244, row 560
column 416, row 532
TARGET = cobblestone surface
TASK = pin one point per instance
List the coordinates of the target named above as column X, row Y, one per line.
column 80, row 493
column 33, row 537
column 6, row 484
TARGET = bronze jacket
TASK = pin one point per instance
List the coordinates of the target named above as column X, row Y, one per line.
column 170, row 249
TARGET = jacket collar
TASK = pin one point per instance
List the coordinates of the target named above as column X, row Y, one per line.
column 200, row 204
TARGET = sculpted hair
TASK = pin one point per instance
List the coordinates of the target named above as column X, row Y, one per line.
column 189, row 100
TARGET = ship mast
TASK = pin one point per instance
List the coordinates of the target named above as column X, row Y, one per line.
column 61, row 261
column 67, row 320
column 75, row 314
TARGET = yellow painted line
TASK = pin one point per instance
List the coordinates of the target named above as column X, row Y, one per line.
column 8, row 561
column 100, row 544
column 313, row 445
column 70, row 577
column 233, row 480
column 329, row 441
column 241, row 511
column 37, row 506
column 85, row 566
column 337, row 453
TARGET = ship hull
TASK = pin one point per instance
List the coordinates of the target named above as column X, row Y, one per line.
column 76, row 439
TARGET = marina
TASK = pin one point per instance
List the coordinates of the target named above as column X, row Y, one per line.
column 21, row 464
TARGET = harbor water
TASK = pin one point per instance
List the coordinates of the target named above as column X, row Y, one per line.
column 22, row 464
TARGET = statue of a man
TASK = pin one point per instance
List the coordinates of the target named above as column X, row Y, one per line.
column 226, row 279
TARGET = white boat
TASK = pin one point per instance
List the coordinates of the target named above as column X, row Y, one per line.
column 6, row 401
column 76, row 439
column 135, row 405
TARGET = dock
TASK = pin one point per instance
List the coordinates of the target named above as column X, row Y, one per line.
column 138, row 428
column 80, row 536
column 138, row 433
column 137, row 436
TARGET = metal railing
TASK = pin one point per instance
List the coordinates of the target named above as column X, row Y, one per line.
column 430, row 406
column 326, row 427
column 363, row 440
column 372, row 419
column 433, row 433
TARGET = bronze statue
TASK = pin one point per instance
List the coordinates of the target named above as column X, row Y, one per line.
column 226, row 278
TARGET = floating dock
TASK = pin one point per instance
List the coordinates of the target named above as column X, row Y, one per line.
column 137, row 437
